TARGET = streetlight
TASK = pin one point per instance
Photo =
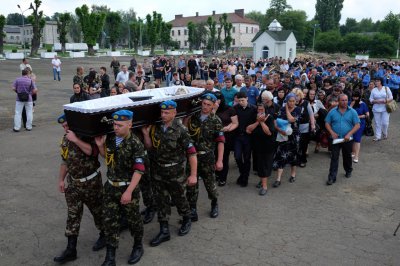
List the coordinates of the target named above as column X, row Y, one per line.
column 398, row 45
column 129, row 33
column 23, row 25
column 313, row 42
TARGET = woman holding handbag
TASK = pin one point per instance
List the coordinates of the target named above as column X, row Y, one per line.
column 380, row 96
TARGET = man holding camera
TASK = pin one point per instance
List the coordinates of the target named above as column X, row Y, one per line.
column 134, row 83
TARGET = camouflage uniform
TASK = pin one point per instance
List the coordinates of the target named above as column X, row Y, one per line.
column 122, row 162
column 168, row 167
column 205, row 134
column 79, row 165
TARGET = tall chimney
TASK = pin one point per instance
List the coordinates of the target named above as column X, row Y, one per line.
column 197, row 14
column 239, row 12
column 213, row 12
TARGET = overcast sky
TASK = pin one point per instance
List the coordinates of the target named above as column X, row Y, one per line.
column 357, row 9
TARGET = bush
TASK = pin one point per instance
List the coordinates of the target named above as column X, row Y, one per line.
column 14, row 50
column 49, row 50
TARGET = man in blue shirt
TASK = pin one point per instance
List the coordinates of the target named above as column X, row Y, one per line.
column 341, row 122
column 393, row 81
column 229, row 92
column 251, row 91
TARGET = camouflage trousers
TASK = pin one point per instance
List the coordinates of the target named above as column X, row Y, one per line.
column 112, row 211
column 146, row 188
column 169, row 184
column 77, row 194
column 206, row 170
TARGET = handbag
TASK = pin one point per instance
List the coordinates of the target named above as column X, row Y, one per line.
column 392, row 106
column 23, row 96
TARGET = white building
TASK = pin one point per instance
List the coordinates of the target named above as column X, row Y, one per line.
column 274, row 42
column 243, row 29
column 50, row 34
column 12, row 34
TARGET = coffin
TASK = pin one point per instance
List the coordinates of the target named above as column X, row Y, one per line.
column 93, row 118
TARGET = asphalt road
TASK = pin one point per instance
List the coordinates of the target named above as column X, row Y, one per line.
column 305, row 223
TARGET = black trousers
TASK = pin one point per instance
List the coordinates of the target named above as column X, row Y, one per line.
column 346, row 148
column 303, row 146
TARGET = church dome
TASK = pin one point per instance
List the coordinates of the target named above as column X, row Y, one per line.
column 275, row 26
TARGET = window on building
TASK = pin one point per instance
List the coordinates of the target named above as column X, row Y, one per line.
column 290, row 53
column 179, row 32
column 11, row 37
column 233, row 29
column 186, row 43
column 265, row 52
column 172, row 32
column 17, row 38
column 185, row 32
column 233, row 41
column 247, row 29
column 31, row 31
column 179, row 43
column 252, row 29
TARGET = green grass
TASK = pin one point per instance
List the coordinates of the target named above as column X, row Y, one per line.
column 11, row 47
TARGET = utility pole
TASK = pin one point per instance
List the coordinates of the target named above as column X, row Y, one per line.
column 313, row 42
column 23, row 26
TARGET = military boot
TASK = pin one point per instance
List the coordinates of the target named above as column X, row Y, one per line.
column 110, row 257
column 69, row 253
column 186, row 225
column 214, row 208
column 137, row 253
column 162, row 236
column 193, row 213
column 148, row 215
column 100, row 243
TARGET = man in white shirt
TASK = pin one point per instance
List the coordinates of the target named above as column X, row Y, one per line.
column 25, row 64
column 56, row 68
column 123, row 76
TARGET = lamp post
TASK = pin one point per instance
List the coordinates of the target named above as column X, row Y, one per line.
column 23, row 25
column 129, row 33
column 398, row 45
column 313, row 42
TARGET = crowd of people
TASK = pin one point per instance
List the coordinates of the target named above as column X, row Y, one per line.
column 266, row 112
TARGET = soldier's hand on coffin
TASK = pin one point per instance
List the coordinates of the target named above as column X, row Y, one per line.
column 100, row 140
column 146, row 130
column 71, row 136
column 192, row 180
column 126, row 197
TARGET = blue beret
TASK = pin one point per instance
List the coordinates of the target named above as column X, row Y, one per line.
column 122, row 115
column 166, row 105
column 210, row 97
column 61, row 119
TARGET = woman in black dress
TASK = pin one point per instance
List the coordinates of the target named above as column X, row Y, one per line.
column 263, row 143
column 230, row 122
column 286, row 152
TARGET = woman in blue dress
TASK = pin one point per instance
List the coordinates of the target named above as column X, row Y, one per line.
column 362, row 111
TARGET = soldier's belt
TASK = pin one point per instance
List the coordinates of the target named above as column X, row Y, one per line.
column 118, row 184
column 87, row 178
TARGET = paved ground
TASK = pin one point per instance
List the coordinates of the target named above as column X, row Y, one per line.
column 305, row 223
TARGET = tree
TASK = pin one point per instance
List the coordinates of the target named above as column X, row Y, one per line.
column 165, row 35
column 128, row 17
column 38, row 22
column 197, row 35
column 351, row 25
column 227, row 27
column 382, row 44
column 136, row 28
column 295, row 20
column 153, row 29
column 212, row 28
column 277, row 8
column 329, row 42
column 391, row 25
column 259, row 17
column 309, row 33
column 63, row 21
column 2, row 24
column 92, row 25
column 113, row 21
column 355, row 43
column 328, row 13
column 75, row 29
column 14, row 19
column 366, row 25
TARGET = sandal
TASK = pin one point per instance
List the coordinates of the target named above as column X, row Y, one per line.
column 376, row 139
column 355, row 160
column 292, row 179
